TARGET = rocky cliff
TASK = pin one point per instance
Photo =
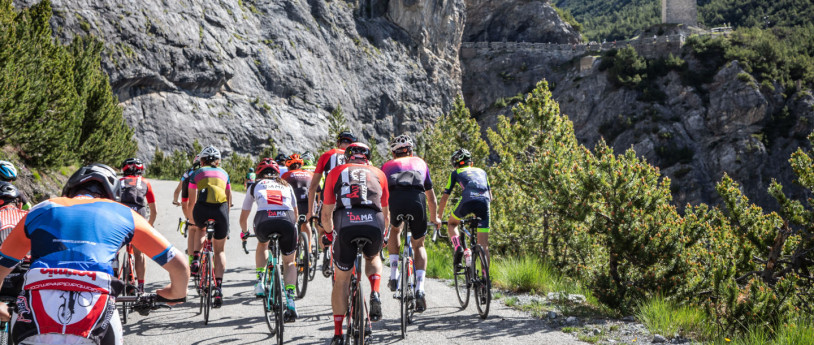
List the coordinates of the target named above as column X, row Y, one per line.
column 236, row 73
column 694, row 135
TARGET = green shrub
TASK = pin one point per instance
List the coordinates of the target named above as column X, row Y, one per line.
column 663, row 316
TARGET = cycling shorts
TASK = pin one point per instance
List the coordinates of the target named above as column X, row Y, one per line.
column 218, row 212
column 412, row 202
column 478, row 207
column 353, row 224
column 267, row 223
column 13, row 283
column 302, row 208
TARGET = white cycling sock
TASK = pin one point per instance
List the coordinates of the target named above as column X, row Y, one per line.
column 419, row 280
column 394, row 266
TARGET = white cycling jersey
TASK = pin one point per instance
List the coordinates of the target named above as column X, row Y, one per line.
column 270, row 195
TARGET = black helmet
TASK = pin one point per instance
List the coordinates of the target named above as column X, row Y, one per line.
column 8, row 193
column 346, row 136
column 280, row 158
column 97, row 178
column 460, row 157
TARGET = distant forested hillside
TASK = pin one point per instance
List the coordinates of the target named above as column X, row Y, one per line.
column 620, row 19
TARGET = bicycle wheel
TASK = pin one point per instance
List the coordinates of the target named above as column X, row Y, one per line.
column 279, row 308
column 302, row 258
column 269, row 300
column 403, row 295
column 461, row 278
column 4, row 331
column 361, row 316
column 411, row 286
column 209, row 281
column 314, row 249
column 126, row 272
column 481, row 282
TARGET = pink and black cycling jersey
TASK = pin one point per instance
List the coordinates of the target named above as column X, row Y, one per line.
column 299, row 181
column 407, row 173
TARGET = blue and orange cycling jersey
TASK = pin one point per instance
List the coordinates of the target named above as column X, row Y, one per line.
column 211, row 183
column 81, row 233
column 473, row 181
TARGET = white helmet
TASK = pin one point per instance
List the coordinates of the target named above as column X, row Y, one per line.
column 209, row 153
column 401, row 142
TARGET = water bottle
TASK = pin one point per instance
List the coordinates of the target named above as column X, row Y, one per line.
column 468, row 257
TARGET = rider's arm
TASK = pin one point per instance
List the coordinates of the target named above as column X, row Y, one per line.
column 312, row 193
column 248, row 201
column 176, row 193
column 229, row 193
column 150, row 242
column 151, row 203
column 327, row 217
column 443, row 205
column 446, row 192
column 432, row 203
column 385, row 196
column 329, row 202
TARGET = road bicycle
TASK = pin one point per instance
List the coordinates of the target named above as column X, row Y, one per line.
column 473, row 273
column 205, row 279
column 303, row 259
column 327, row 260
column 359, row 326
column 273, row 291
column 125, row 274
column 407, row 283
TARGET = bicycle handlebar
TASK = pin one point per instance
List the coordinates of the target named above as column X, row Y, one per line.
column 145, row 303
column 243, row 237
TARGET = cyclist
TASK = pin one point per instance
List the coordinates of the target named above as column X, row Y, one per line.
column 308, row 161
column 355, row 204
column 137, row 193
column 408, row 178
column 69, row 296
column 300, row 180
column 183, row 188
column 210, row 194
column 276, row 213
column 8, row 173
column 327, row 161
column 10, row 215
column 249, row 180
column 280, row 159
column 475, row 198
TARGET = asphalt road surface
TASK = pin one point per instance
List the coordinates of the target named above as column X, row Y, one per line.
column 241, row 319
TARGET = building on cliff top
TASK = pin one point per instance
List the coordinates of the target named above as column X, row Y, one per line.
column 679, row 12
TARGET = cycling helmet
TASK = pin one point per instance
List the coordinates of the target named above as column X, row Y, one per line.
column 280, row 159
column 357, row 151
column 8, row 193
column 265, row 164
column 401, row 143
column 294, row 159
column 132, row 166
column 307, row 156
column 460, row 157
column 251, row 169
column 7, row 171
column 96, row 178
column 209, row 154
column 346, row 136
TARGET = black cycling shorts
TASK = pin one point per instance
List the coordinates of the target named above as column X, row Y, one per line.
column 412, row 202
column 478, row 207
column 265, row 225
column 219, row 212
column 352, row 224
column 302, row 208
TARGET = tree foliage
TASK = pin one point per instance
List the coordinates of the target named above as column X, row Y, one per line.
column 56, row 104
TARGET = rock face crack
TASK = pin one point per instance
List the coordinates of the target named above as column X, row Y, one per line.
column 235, row 73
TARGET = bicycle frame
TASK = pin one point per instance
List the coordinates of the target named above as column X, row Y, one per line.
column 356, row 314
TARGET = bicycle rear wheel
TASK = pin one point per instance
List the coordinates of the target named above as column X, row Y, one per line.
column 279, row 308
column 314, row 252
column 126, row 272
column 482, row 283
column 360, row 318
column 303, row 265
column 403, row 302
column 462, row 283
column 209, row 281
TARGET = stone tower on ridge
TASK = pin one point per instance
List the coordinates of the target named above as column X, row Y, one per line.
column 679, row 12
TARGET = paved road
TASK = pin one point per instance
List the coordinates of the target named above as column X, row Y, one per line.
column 241, row 319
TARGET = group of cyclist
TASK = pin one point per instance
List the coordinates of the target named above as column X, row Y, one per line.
column 77, row 236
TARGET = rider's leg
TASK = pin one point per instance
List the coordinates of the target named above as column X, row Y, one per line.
column 339, row 298
column 452, row 231
column 483, row 240
column 220, row 257
column 140, row 268
column 420, row 254
column 373, row 270
column 393, row 249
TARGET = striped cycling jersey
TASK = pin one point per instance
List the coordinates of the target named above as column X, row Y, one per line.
column 10, row 215
column 407, row 173
column 356, row 186
column 329, row 160
column 211, row 184
column 81, row 233
column 473, row 181
column 269, row 195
